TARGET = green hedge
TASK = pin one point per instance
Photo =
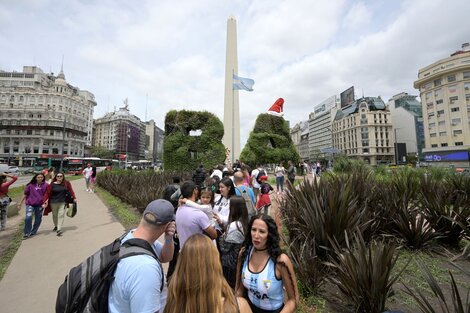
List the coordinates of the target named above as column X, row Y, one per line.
column 269, row 142
column 183, row 152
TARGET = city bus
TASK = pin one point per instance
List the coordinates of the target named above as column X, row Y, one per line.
column 73, row 165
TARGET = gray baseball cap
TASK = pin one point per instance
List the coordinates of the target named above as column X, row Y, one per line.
column 159, row 212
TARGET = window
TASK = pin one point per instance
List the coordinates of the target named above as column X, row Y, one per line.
column 466, row 86
column 459, row 143
column 452, row 89
column 453, row 99
column 437, row 82
column 466, row 75
column 365, row 150
column 444, row 144
column 428, row 95
column 427, row 86
column 432, row 125
column 438, row 93
column 442, row 123
column 456, row 109
column 457, row 132
column 430, row 114
column 29, row 132
column 451, row 78
column 441, row 134
column 434, row 145
column 439, row 101
column 456, row 121
column 440, row 112
column 432, row 135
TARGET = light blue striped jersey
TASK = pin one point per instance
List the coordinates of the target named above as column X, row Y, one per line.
column 264, row 290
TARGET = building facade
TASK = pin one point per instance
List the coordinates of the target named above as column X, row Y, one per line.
column 121, row 132
column 35, row 109
column 364, row 130
column 444, row 88
column 319, row 125
column 407, row 117
column 299, row 135
column 154, row 142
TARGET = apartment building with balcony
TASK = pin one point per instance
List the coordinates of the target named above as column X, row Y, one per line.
column 444, row 88
column 35, row 109
column 364, row 130
column 121, row 132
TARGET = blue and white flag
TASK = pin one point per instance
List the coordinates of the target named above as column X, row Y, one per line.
column 241, row 83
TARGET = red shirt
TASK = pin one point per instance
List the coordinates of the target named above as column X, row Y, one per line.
column 4, row 187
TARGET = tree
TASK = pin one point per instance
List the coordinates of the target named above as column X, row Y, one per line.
column 184, row 150
column 101, row 152
column 269, row 142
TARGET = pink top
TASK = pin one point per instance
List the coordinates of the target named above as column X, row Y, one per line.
column 4, row 187
column 247, row 180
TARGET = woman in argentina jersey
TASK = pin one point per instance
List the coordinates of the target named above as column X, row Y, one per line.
column 263, row 271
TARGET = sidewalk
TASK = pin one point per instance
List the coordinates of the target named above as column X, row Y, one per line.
column 41, row 263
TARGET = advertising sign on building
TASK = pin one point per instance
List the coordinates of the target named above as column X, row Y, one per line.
column 347, row 97
column 324, row 106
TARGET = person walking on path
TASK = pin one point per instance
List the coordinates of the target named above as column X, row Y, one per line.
column 87, row 172
column 4, row 198
column 199, row 177
column 280, row 172
column 291, row 172
column 263, row 271
column 55, row 200
column 50, row 174
column 34, row 195
column 138, row 284
column 93, row 179
column 198, row 285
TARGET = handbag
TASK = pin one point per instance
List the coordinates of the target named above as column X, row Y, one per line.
column 68, row 197
column 72, row 210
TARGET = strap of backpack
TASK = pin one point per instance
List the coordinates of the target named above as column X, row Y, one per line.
column 137, row 246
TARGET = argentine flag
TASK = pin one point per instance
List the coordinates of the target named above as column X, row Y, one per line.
column 241, row 83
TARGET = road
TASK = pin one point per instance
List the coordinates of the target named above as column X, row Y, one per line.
column 23, row 180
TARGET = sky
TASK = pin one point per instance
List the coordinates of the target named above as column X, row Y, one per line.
column 164, row 55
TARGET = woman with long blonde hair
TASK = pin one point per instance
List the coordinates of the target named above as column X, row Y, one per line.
column 198, row 285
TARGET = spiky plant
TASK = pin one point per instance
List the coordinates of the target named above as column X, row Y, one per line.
column 315, row 212
column 453, row 304
column 363, row 273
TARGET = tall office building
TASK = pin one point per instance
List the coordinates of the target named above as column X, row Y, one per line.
column 35, row 108
column 444, row 88
column 407, row 119
column 364, row 130
column 154, row 142
column 121, row 132
column 231, row 137
column 319, row 125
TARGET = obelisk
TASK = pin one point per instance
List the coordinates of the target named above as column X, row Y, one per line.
column 231, row 138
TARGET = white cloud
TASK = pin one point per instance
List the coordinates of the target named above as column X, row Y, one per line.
column 303, row 51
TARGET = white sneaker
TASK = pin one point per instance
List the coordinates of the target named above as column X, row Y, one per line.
column 88, row 190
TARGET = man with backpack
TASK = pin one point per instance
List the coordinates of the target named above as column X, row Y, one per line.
column 245, row 192
column 138, row 282
column 256, row 174
column 125, row 275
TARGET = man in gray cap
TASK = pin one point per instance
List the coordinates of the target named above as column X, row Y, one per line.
column 139, row 285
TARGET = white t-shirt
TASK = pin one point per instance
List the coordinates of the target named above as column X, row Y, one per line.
column 254, row 174
column 87, row 172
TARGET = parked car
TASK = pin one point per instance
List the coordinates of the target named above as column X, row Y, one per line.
column 13, row 170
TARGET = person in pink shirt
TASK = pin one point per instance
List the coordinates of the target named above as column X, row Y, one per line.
column 4, row 198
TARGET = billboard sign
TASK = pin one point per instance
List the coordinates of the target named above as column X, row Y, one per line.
column 347, row 97
column 324, row 106
column 446, row 156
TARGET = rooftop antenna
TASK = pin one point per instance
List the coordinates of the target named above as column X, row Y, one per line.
column 62, row 65
column 362, row 92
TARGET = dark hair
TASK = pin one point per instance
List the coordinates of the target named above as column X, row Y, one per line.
column 93, row 171
column 176, row 179
column 2, row 178
column 213, row 183
column 187, row 189
column 207, row 190
column 274, row 250
column 238, row 212
column 34, row 179
column 63, row 175
column 229, row 184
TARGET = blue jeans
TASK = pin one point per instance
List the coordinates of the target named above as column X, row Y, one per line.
column 31, row 211
column 280, row 183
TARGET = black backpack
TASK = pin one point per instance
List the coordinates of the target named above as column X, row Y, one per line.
column 86, row 287
column 260, row 174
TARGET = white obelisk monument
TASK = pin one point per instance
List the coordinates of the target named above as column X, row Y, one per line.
column 231, row 138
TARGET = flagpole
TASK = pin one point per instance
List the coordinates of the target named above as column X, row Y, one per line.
column 233, row 120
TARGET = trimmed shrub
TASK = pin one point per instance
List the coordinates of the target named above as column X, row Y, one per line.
column 269, row 142
column 183, row 152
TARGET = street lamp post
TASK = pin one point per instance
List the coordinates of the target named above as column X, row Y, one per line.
column 63, row 144
column 396, row 145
